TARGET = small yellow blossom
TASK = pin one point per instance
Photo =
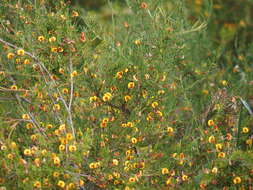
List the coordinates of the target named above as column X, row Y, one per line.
column 75, row 14
column 56, row 160
column 72, row 148
column 131, row 85
column 221, row 155
column 115, row 162
column 61, row 184
column 165, row 171
column 56, row 107
column 210, row 122
column 107, row 96
column 154, row 104
column 237, row 180
column 41, row 38
column 184, row 177
column 52, row 39
column 37, row 184
column 215, row 170
column 132, row 179
column 137, row 42
column 170, row 130
column 10, row 55
column 14, row 87
column 27, row 152
column 20, row 52
column 73, row 74
column 134, row 140
column 25, row 116
column 127, row 98
column 245, row 129
column 211, row 139
column 26, row 62
column 61, row 147
column 218, row 147
column 56, row 174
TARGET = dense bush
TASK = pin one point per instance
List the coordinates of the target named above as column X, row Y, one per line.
column 142, row 95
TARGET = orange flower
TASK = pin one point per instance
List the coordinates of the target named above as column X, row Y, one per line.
column 144, row 5
column 37, row 184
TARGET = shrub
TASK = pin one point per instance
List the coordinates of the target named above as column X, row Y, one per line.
column 133, row 102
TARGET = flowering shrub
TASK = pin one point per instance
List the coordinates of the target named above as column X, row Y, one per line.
column 135, row 102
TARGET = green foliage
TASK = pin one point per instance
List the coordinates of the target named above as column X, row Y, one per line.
column 140, row 95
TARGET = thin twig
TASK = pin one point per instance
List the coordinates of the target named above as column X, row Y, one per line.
column 71, row 99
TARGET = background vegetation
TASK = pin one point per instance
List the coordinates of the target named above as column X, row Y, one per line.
column 126, row 94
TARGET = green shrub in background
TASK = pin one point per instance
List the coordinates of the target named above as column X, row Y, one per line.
column 133, row 97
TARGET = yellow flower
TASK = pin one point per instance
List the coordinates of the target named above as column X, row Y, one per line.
column 65, row 91
column 41, row 38
column 137, row 42
column 159, row 113
column 26, row 61
column 10, row 156
column 69, row 136
column 154, row 104
column 27, row 152
column 81, row 182
column 107, row 96
column 132, row 179
column 93, row 98
column 184, row 177
column 56, row 107
column 215, row 170
column 20, row 52
column 37, row 162
column 33, row 137
column 115, row 162
column 61, row 184
column 10, row 55
column 165, row 171
column 37, row 184
column 119, row 74
column 92, row 165
column 56, row 160
column 218, row 147
column 52, row 39
column 130, row 124
column 54, row 49
column 60, row 49
column 75, row 14
column 56, row 174
column 73, row 74
column 61, row 147
column 211, row 139
column 25, row 116
column 205, row 92
column 131, row 85
column 14, row 87
column 249, row 142
column 170, row 130
column 61, row 70
column 13, row 145
column 245, row 129
column 134, row 140
column 221, row 155
column 168, row 181
column 62, row 127
column 210, row 122
column 72, row 148
column 237, row 180
column 224, row 83
column 127, row 98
